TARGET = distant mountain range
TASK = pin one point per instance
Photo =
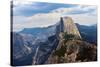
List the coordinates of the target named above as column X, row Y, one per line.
column 35, row 45
column 88, row 33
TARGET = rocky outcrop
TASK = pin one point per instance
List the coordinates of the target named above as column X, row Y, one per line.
column 70, row 27
column 71, row 47
column 74, row 51
column 66, row 25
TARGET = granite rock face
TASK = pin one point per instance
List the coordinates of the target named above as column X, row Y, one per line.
column 66, row 25
column 71, row 47
column 70, row 27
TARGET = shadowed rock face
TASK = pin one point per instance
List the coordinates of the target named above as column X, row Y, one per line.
column 19, row 47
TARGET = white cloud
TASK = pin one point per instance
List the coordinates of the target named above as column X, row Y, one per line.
column 87, row 14
column 76, row 10
column 46, row 19
column 84, row 19
column 38, row 20
column 20, row 19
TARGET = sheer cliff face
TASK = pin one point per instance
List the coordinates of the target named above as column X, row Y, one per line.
column 71, row 48
column 66, row 25
column 69, row 27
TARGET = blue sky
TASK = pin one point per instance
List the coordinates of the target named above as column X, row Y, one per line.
column 38, row 7
column 28, row 14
